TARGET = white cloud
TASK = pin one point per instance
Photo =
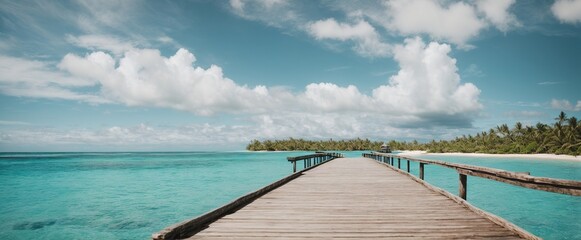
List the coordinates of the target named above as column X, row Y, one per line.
column 427, row 83
column 362, row 33
column 277, row 13
column 331, row 29
column 457, row 22
column 31, row 78
column 115, row 14
column 565, row 105
column 330, row 97
column 497, row 12
column 214, row 136
column 140, row 136
column 237, row 5
column 567, row 11
column 145, row 78
column 101, row 42
column 427, row 86
column 425, row 93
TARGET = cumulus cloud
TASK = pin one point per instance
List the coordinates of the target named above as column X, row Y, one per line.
column 565, row 105
column 427, row 82
column 567, row 11
column 143, row 77
column 458, row 22
column 367, row 40
column 455, row 22
column 330, row 97
column 427, row 86
column 497, row 12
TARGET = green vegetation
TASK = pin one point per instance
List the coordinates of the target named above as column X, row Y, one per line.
column 292, row 144
column 562, row 137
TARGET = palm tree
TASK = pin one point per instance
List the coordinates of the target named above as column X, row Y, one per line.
column 561, row 118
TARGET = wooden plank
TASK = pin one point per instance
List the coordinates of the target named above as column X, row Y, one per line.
column 192, row 226
column 496, row 219
column 354, row 199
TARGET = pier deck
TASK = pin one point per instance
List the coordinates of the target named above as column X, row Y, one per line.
column 353, row 198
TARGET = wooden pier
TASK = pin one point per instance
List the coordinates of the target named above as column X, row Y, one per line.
column 355, row 198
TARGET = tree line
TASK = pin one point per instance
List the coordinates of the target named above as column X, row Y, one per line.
column 561, row 137
column 293, row 144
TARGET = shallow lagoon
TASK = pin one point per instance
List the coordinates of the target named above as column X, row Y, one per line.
column 131, row 195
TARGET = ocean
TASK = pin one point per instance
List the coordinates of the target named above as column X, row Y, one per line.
column 132, row 195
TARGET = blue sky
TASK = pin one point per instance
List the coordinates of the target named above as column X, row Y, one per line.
column 213, row 75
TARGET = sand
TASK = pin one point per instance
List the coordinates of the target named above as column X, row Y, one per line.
column 535, row 156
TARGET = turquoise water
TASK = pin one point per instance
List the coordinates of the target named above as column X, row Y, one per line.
column 132, row 195
column 545, row 214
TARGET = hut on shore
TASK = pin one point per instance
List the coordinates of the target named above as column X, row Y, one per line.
column 385, row 148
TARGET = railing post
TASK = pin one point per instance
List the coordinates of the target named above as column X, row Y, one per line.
column 408, row 165
column 462, row 186
column 294, row 166
column 398, row 163
column 422, row 171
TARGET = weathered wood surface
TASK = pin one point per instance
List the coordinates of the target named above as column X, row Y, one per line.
column 191, row 226
column 354, row 198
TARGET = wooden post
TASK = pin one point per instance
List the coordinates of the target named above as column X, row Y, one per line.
column 294, row 166
column 304, row 164
column 408, row 165
column 398, row 163
column 422, row 171
column 462, row 186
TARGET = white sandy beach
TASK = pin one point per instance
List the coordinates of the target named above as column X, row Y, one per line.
column 535, row 156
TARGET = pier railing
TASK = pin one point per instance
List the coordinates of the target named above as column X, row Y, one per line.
column 313, row 159
column 522, row 179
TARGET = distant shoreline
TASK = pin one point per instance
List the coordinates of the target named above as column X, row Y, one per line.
column 535, row 156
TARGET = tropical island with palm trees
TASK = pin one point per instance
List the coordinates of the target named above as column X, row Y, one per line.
column 561, row 137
